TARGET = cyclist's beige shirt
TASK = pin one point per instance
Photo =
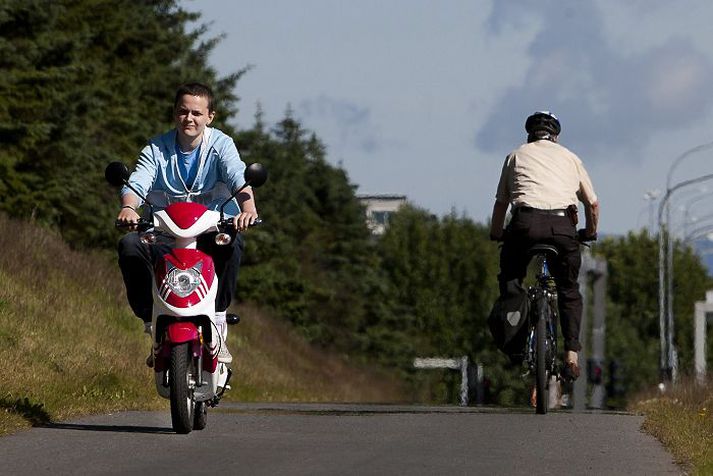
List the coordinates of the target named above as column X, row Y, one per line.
column 544, row 175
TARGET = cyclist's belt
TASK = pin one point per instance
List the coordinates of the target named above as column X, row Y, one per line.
column 560, row 212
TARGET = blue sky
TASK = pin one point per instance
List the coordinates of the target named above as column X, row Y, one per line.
column 425, row 98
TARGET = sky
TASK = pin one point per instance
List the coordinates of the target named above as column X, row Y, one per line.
column 425, row 98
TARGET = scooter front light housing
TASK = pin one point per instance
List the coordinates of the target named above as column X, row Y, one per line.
column 223, row 239
column 183, row 282
column 148, row 238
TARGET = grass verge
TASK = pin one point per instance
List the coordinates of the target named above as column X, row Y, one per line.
column 682, row 419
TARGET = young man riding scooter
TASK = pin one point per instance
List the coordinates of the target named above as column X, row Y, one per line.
column 196, row 163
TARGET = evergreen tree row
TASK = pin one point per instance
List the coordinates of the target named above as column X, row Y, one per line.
column 85, row 82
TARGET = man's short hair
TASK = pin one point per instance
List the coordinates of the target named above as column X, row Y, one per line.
column 195, row 89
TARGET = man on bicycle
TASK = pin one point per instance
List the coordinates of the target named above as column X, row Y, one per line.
column 543, row 182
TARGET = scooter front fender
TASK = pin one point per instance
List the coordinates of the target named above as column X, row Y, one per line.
column 180, row 332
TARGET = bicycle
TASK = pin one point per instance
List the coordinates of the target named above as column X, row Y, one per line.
column 541, row 351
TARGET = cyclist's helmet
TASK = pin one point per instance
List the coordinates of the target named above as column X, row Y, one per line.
column 543, row 125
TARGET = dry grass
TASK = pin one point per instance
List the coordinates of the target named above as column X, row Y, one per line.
column 682, row 419
column 273, row 363
column 70, row 346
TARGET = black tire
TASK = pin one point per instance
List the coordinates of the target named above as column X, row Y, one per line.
column 542, row 383
column 200, row 416
column 181, row 373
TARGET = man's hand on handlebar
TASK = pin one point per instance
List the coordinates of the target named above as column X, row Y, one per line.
column 583, row 235
column 244, row 220
column 127, row 218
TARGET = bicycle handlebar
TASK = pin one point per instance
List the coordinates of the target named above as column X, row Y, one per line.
column 583, row 237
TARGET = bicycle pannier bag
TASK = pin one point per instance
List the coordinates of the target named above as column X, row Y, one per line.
column 508, row 319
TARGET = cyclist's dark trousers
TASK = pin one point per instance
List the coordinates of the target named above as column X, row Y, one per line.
column 136, row 260
column 528, row 228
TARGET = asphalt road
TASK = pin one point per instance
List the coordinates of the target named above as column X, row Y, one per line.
column 327, row 439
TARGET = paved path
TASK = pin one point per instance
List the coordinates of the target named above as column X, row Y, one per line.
column 326, row 439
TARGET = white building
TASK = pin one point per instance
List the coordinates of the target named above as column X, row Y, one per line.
column 379, row 208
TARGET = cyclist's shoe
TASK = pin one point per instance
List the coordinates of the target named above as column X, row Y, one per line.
column 570, row 371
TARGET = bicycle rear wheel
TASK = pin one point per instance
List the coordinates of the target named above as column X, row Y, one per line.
column 542, row 377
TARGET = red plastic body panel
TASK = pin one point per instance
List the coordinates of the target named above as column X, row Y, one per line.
column 176, row 333
column 185, row 214
column 180, row 332
column 210, row 363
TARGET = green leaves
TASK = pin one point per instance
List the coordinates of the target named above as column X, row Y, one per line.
column 633, row 314
column 83, row 83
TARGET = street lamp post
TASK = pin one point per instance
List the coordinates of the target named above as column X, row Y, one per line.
column 666, row 362
column 702, row 228
column 650, row 196
column 689, row 219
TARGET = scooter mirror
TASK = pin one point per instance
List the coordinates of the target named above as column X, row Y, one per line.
column 116, row 173
column 255, row 174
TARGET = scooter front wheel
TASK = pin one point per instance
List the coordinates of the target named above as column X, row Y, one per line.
column 182, row 379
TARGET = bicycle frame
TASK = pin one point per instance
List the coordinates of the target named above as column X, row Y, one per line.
column 545, row 283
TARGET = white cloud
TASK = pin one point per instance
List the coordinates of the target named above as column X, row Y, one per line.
column 607, row 101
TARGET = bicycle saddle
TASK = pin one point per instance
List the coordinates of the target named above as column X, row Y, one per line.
column 542, row 249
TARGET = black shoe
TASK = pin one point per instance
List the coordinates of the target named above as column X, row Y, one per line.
column 570, row 372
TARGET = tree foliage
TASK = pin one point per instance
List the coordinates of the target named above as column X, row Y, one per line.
column 85, row 82
column 632, row 332
column 443, row 274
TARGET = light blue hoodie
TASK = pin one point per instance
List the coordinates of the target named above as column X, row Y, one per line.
column 220, row 172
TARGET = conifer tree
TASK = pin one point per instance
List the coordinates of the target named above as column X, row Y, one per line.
column 85, row 82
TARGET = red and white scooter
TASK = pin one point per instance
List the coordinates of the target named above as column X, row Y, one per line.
column 186, row 340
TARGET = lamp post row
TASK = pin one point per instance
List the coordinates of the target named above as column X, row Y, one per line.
column 667, row 362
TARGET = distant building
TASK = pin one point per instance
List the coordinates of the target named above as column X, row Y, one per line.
column 379, row 208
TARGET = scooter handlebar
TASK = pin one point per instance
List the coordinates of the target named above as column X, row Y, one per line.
column 141, row 225
column 226, row 224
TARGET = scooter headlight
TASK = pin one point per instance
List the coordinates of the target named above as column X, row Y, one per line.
column 183, row 281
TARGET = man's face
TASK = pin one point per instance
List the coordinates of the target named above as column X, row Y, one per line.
column 192, row 116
